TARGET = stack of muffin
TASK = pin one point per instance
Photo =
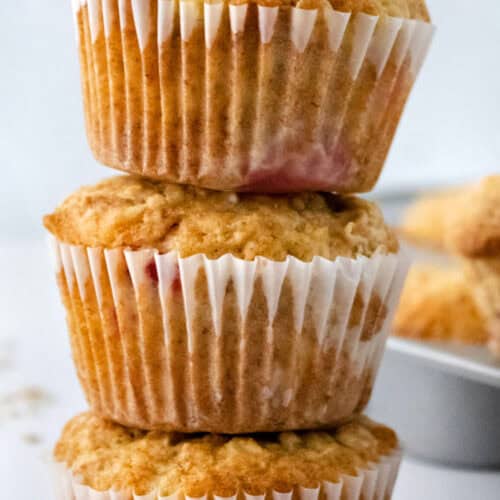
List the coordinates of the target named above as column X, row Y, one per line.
column 227, row 340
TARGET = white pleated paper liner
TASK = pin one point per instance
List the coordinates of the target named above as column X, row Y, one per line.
column 245, row 97
column 226, row 345
column 375, row 482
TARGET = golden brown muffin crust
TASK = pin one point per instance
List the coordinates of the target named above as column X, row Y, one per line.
column 437, row 304
column 425, row 221
column 474, row 227
column 109, row 456
column 410, row 9
column 134, row 212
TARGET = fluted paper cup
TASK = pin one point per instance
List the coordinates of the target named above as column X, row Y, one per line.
column 375, row 482
column 226, row 345
column 484, row 274
column 246, row 97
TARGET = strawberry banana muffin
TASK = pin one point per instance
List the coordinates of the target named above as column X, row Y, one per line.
column 437, row 304
column 197, row 310
column 474, row 234
column 358, row 460
column 266, row 95
column 425, row 221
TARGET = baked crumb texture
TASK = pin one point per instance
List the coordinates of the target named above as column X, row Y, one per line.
column 358, row 460
column 226, row 345
column 484, row 281
column 425, row 222
column 474, row 234
column 136, row 213
column 474, row 227
column 438, row 304
column 269, row 96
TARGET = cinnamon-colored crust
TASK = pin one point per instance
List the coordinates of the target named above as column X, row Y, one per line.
column 106, row 456
column 129, row 211
column 473, row 232
column 483, row 276
column 425, row 221
column 410, row 9
column 474, row 226
column 438, row 304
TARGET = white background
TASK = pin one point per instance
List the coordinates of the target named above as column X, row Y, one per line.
column 450, row 132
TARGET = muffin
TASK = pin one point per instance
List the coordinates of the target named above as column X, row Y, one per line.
column 437, row 304
column 268, row 96
column 196, row 310
column 424, row 223
column 99, row 459
column 474, row 234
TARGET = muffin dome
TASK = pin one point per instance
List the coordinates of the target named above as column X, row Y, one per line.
column 410, row 9
column 437, row 304
column 107, row 455
column 134, row 212
column 474, row 227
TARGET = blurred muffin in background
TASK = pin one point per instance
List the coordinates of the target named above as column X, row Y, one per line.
column 424, row 223
column 474, row 235
column 437, row 304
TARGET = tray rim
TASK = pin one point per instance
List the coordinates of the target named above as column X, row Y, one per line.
column 472, row 362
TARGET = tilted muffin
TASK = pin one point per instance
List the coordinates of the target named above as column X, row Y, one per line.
column 474, row 234
column 266, row 95
column 425, row 221
column 437, row 304
column 197, row 310
column 358, row 460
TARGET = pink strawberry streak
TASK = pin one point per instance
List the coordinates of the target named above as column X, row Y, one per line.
column 283, row 171
column 151, row 271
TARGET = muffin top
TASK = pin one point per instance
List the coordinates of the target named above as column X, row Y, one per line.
column 437, row 304
column 136, row 213
column 409, row 9
column 474, row 225
column 425, row 221
column 107, row 455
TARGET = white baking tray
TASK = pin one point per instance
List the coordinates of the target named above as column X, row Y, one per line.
column 442, row 398
column 471, row 362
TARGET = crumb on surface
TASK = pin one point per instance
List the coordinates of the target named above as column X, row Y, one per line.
column 24, row 402
column 31, row 438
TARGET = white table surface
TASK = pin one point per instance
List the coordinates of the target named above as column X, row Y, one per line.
column 34, row 341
